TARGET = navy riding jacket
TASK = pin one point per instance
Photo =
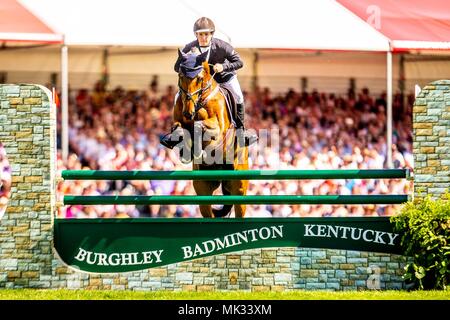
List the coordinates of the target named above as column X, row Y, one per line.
column 221, row 52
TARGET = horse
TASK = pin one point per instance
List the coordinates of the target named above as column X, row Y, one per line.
column 201, row 106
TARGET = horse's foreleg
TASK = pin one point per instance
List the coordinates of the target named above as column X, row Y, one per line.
column 210, row 123
column 206, row 210
column 211, row 135
column 178, row 113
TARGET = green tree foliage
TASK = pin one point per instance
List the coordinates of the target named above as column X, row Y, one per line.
column 425, row 228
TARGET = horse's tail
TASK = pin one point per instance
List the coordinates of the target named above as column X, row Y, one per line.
column 226, row 209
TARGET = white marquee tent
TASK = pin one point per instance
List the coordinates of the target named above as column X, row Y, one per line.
column 319, row 24
column 283, row 24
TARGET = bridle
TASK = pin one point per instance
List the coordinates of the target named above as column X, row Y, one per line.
column 200, row 103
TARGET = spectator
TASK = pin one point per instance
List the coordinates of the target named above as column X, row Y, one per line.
column 317, row 131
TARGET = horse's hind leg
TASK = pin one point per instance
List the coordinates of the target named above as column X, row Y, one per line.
column 206, row 211
column 239, row 187
column 205, row 188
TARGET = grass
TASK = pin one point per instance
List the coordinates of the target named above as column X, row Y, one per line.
column 64, row 294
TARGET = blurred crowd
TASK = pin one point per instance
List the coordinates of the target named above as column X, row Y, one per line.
column 120, row 130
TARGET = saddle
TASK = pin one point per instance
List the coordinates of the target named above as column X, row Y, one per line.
column 231, row 104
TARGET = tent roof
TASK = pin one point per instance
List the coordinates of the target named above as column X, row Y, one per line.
column 266, row 24
column 18, row 24
column 129, row 23
column 293, row 24
column 363, row 25
column 409, row 24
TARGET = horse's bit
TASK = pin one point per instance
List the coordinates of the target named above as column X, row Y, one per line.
column 199, row 104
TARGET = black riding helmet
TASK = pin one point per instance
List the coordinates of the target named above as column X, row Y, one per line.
column 204, row 25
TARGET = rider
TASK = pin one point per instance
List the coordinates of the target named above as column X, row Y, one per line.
column 225, row 61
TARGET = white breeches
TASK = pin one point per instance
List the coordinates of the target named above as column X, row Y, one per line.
column 235, row 88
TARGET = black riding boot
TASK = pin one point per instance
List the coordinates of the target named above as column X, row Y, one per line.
column 170, row 141
column 249, row 137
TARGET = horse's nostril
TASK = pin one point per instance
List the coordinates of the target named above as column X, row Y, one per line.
column 189, row 116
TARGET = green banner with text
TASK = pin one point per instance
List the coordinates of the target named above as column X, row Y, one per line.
column 122, row 245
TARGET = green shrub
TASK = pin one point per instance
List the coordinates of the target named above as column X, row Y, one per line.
column 424, row 225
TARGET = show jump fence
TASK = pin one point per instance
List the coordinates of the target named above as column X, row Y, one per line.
column 236, row 175
column 35, row 248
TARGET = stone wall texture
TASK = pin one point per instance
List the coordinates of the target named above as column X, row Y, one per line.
column 28, row 260
column 431, row 147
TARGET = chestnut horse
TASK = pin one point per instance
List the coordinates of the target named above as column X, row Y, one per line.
column 201, row 107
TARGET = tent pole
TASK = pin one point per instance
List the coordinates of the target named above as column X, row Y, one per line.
column 401, row 82
column 105, row 70
column 255, row 70
column 64, row 103
column 389, row 109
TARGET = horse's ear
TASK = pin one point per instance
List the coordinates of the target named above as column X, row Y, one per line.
column 202, row 57
column 181, row 54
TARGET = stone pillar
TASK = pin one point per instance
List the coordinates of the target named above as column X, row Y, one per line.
column 26, row 236
column 431, row 127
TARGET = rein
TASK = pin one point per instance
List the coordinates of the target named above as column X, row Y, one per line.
column 200, row 103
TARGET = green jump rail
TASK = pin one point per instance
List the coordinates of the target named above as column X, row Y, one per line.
column 207, row 200
column 235, row 175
